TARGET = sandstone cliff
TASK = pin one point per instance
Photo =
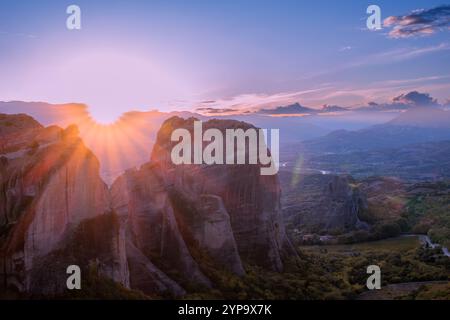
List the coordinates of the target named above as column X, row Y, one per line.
column 159, row 229
column 141, row 197
column 242, row 196
column 49, row 184
column 323, row 203
column 178, row 216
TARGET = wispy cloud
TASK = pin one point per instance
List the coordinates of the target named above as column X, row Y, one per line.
column 388, row 99
column 251, row 102
column 221, row 111
column 399, row 54
column 381, row 90
column 413, row 81
column 345, row 48
column 382, row 58
column 17, row 34
column 420, row 22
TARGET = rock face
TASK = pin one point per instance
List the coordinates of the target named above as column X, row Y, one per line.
column 177, row 214
column 145, row 276
column 323, row 203
column 238, row 193
column 342, row 205
column 47, row 188
column 210, row 228
column 97, row 245
column 141, row 196
column 158, row 229
column 17, row 131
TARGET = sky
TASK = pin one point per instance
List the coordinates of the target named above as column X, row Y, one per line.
column 182, row 55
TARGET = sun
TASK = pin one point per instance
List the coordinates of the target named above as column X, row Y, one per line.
column 125, row 142
column 111, row 81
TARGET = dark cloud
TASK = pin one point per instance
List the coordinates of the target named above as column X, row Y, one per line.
column 406, row 101
column 298, row 109
column 331, row 108
column 416, row 99
column 419, row 22
column 295, row 108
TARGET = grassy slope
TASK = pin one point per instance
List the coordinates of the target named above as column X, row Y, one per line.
column 408, row 271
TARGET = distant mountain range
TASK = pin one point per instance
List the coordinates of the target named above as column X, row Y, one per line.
column 428, row 161
column 423, row 118
column 413, row 126
column 413, row 146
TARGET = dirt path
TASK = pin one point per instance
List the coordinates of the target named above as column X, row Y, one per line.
column 394, row 291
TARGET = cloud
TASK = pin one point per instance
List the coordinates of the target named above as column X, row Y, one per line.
column 416, row 99
column 390, row 96
column 406, row 101
column 345, row 48
column 252, row 102
column 326, row 108
column 419, row 22
column 400, row 54
column 293, row 109
column 385, row 57
column 15, row 34
column 216, row 110
column 297, row 109
column 348, row 96
column 427, row 79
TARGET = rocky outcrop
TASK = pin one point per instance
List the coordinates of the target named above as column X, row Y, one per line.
column 97, row 245
column 250, row 200
column 48, row 186
column 180, row 215
column 145, row 276
column 17, row 131
column 342, row 205
column 142, row 197
column 159, row 229
column 386, row 198
column 323, row 203
column 208, row 225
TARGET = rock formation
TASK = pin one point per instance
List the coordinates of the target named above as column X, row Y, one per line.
column 323, row 203
column 251, row 201
column 48, row 186
column 141, row 197
column 157, row 229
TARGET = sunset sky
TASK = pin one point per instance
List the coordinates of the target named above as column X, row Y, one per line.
column 169, row 55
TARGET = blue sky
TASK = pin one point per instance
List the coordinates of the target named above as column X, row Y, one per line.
column 176, row 54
